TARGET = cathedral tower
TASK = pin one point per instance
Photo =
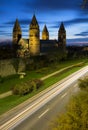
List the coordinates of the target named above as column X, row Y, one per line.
column 34, row 37
column 45, row 33
column 62, row 35
column 17, row 33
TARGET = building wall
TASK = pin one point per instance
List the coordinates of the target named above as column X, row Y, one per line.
column 45, row 36
column 7, row 67
column 34, row 42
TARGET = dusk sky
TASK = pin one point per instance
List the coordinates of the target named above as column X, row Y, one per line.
column 49, row 12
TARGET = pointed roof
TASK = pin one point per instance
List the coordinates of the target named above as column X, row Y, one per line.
column 17, row 25
column 34, row 20
column 45, row 29
column 62, row 27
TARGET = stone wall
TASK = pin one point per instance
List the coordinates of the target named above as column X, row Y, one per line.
column 9, row 67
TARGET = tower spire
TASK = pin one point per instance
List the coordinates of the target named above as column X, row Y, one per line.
column 17, row 33
column 62, row 35
column 34, row 37
column 45, row 33
column 34, row 22
column 62, row 28
column 17, row 25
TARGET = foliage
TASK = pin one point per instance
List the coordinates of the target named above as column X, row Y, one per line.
column 27, row 87
column 76, row 117
column 12, row 80
column 53, row 57
column 14, row 100
column 15, row 63
column 56, row 56
column 83, row 84
column 77, row 52
column 38, row 83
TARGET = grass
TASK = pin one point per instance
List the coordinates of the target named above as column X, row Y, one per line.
column 13, row 100
column 9, row 81
column 50, row 81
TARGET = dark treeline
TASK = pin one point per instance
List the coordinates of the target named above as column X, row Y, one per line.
column 77, row 51
column 7, row 52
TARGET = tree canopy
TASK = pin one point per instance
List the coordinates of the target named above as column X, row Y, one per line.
column 76, row 116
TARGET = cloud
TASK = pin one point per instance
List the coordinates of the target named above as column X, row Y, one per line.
column 77, row 40
column 3, row 26
column 3, row 33
column 67, row 23
column 76, row 21
column 22, row 22
column 82, row 34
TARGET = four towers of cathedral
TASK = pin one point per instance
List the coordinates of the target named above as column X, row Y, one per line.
column 34, row 35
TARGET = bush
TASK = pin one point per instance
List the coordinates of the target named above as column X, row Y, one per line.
column 38, row 83
column 83, row 84
column 27, row 87
column 22, row 89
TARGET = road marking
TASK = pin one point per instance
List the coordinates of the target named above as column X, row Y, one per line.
column 75, row 85
column 63, row 95
column 43, row 113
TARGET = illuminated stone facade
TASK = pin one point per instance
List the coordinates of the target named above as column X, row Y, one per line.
column 17, row 33
column 34, row 37
column 45, row 33
column 34, row 45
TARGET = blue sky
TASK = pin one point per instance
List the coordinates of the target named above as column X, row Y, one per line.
column 49, row 12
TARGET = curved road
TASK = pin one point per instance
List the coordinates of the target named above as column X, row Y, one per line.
column 38, row 108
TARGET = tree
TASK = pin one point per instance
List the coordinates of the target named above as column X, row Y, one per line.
column 15, row 63
column 85, row 4
column 76, row 116
column 83, row 84
column 27, row 87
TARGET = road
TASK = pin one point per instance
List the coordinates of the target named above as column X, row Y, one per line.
column 43, row 117
column 38, row 112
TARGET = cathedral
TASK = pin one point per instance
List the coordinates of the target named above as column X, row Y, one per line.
column 34, row 45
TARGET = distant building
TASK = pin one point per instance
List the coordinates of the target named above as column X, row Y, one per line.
column 34, row 45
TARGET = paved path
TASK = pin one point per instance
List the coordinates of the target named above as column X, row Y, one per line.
column 5, row 94
column 61, row 70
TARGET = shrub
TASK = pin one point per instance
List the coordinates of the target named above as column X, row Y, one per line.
column 83, row 84
column 27, row 87
column 38, row 83
column 22, row 89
